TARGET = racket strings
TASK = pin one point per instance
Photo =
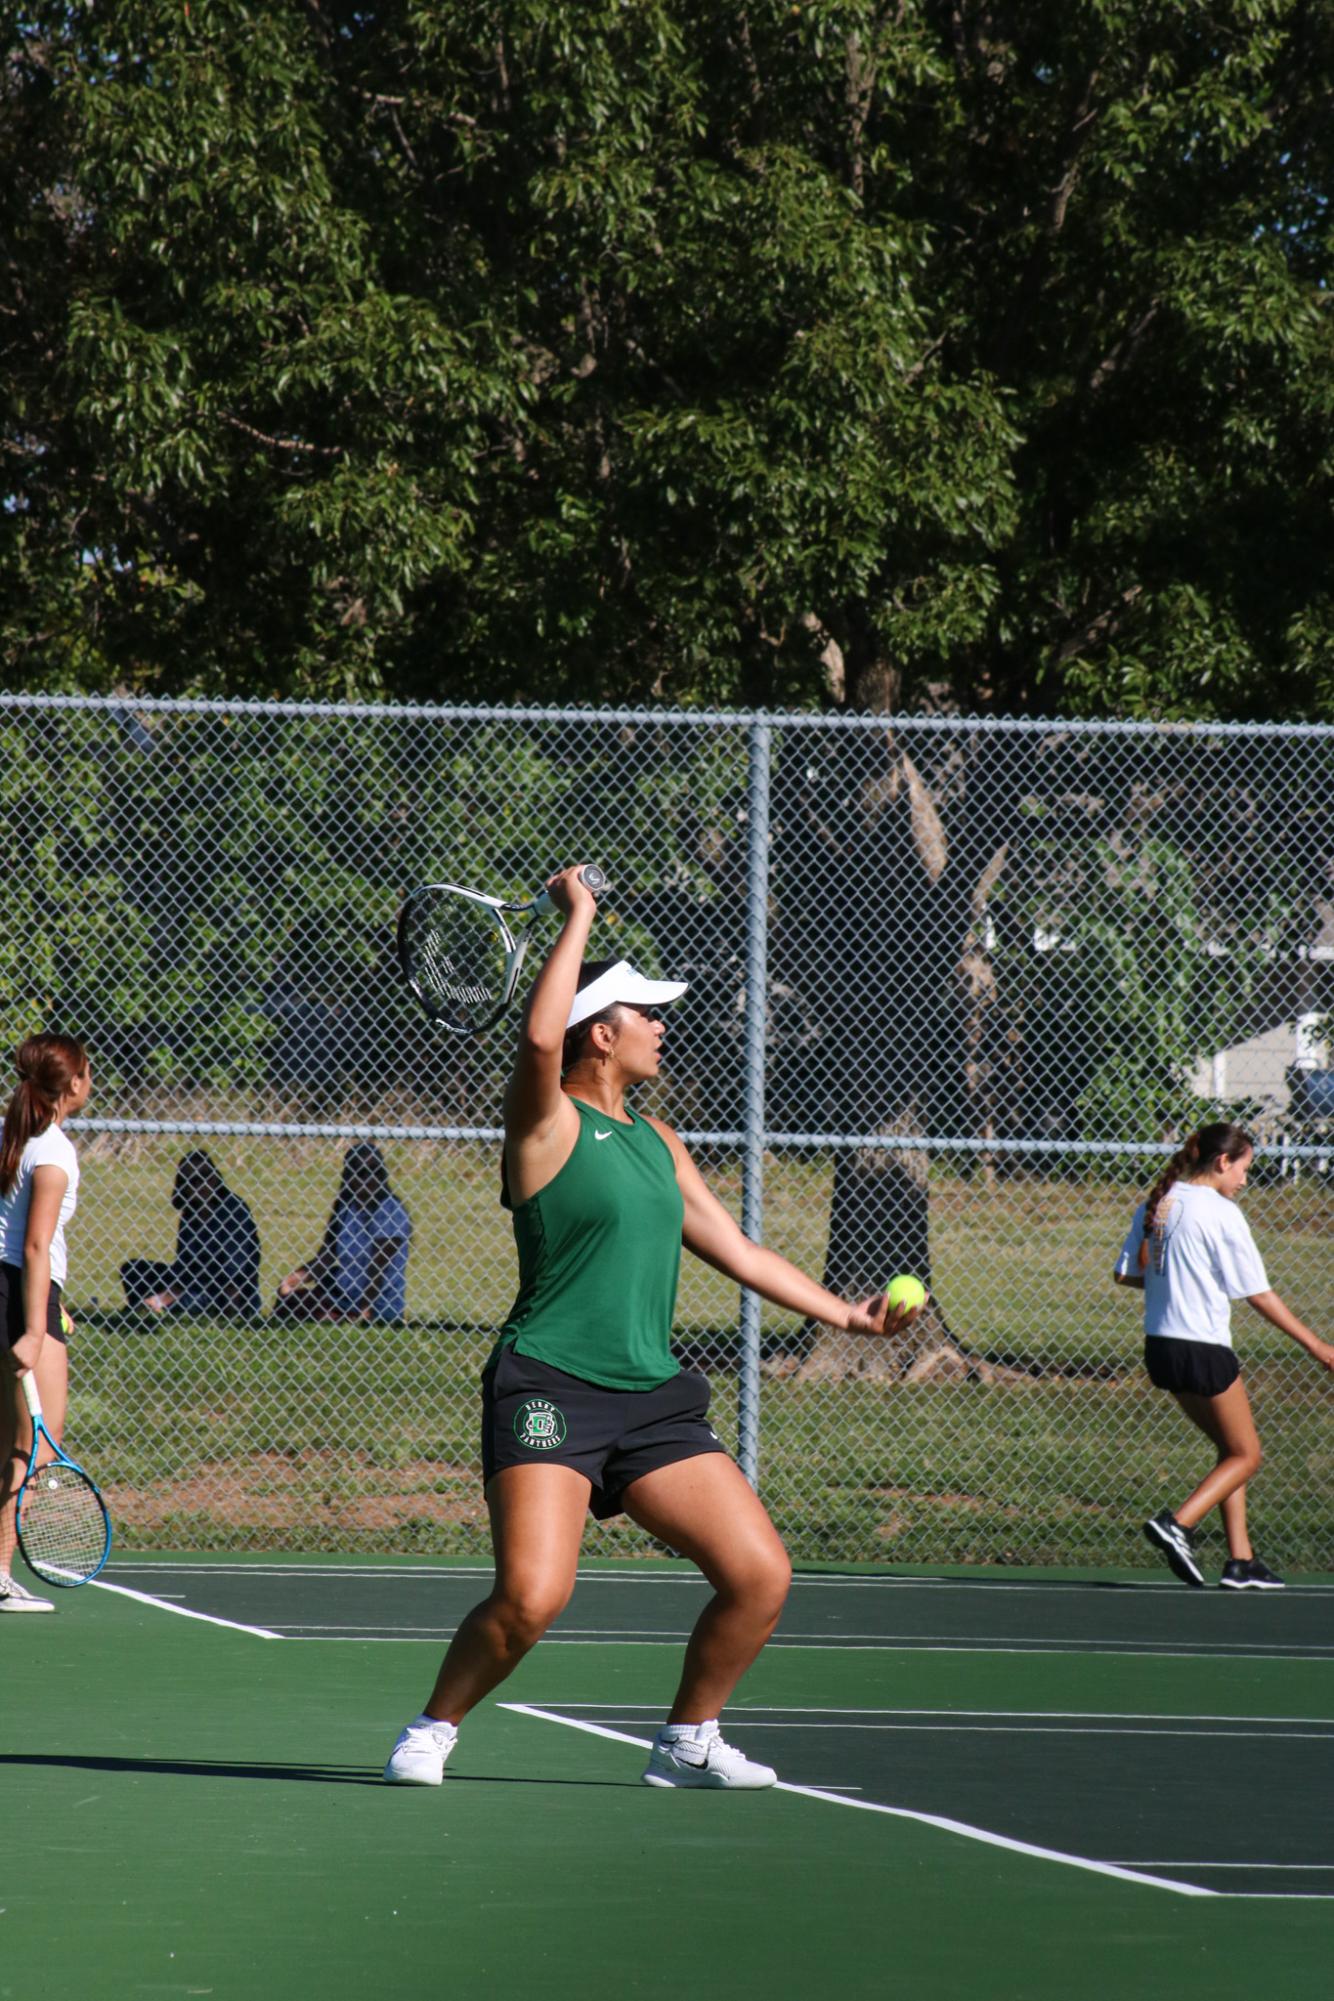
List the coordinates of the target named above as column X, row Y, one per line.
column 456, row 964
column 457, row 954
column 62, row 1525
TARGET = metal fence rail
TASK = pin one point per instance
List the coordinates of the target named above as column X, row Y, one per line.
column 955, row 987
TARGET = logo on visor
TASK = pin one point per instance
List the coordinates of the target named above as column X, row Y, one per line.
column 539, row 1425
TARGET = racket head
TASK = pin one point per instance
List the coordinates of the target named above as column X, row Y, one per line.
column 62, row 1524
column 458, row 955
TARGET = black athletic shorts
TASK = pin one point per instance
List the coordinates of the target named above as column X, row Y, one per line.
column 1192, row 1368
column 13, row 1323
column 533, row 1414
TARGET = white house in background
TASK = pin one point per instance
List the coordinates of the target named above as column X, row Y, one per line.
column 1258, row 1067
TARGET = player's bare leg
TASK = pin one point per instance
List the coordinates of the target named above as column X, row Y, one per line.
column 537, row 1524
column 1227, row 1423
column 705, row 1508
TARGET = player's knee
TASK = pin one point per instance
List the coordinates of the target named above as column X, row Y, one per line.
column 765, row 1581
column 780, row 1579
column 524, row 1614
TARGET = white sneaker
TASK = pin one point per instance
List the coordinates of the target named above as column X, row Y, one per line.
column 704, row 1760
column 13, row 1598
column 421, row 1753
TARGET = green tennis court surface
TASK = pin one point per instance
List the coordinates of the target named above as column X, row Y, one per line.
column 1024, row 1784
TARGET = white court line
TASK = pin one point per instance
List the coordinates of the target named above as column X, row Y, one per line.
column 1016, row 1723
column 642, row 1574
column 1077, row 1642
column 1006, row 1640
column 1053, row 1730
column 1290, row 1868
column 182, row 1611
column 379, row 1630
column 1277, row 1896
column 742, row 1714
column 596, row 1637
column 583, row 1636
column 893, row 1642
column 941, row 1821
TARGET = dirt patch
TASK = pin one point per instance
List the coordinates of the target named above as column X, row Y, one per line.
column 287, row 1491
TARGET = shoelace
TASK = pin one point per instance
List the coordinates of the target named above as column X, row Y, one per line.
column 700, row 1748
column 439, row 1734
column 718, row 1743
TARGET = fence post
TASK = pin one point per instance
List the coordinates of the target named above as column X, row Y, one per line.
column 752, row 1118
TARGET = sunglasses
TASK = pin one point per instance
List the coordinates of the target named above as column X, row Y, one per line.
column 647, row 1013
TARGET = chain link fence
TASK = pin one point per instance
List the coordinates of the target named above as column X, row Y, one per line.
column 955, row 986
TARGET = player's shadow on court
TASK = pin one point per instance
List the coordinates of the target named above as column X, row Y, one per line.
column 225, row 1768
column 203, row 1768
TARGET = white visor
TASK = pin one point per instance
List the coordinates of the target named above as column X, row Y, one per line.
column 621, row 983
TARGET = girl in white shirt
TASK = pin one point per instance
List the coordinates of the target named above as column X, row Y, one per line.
column 39, row 1185
column 1191, row 1251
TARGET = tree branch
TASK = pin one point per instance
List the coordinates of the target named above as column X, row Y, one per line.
column 281, row 444
column 1076, row 140
column 924, row 821
column 858, row 90
column 1123, row 354
column 1098, row 628
column 988, row 879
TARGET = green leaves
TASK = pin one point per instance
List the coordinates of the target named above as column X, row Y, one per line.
column 603, row 351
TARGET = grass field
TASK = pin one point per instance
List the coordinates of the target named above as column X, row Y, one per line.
column 342, row 1437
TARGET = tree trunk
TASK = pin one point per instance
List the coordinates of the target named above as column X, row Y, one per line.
column 917, row 1038
column 877, row 1231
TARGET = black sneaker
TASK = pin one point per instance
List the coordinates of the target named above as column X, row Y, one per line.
column 1249, row 1574
column 1177, row 1545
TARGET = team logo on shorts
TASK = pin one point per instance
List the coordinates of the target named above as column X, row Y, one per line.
column 539, row 1425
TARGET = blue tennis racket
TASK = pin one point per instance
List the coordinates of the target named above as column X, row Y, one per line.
column 63, row 1527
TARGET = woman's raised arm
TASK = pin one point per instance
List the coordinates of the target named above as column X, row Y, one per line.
column 533, row 1098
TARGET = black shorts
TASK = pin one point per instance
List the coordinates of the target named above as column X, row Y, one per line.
column 533, row 1414
column 1190, row 1368
column 13, row 1322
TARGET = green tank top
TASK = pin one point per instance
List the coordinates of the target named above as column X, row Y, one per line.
column 599, row 1255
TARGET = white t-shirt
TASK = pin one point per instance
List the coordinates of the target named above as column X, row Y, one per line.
column 48, row 1149
column 1201, row 1256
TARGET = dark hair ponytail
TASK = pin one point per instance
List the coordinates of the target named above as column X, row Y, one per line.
column 1196, row 1157
column 47, row 1065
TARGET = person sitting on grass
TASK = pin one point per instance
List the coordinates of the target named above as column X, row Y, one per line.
column 216, row 1267
column 360, row 1271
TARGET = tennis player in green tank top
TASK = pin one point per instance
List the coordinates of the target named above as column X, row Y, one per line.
column 584, row 1404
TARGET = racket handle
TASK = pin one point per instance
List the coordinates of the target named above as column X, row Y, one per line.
column 34, row 1402
column 592, row 877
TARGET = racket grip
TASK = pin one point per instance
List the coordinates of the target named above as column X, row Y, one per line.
column 592, row 877
column 34, row 1402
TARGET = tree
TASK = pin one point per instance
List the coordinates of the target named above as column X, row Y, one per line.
column 857, row 353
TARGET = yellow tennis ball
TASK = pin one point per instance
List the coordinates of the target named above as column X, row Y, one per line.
column 905, row 1291
column 66, row 1324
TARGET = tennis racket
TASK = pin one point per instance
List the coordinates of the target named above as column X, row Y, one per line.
column 63, row 1527
column 461, row 951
